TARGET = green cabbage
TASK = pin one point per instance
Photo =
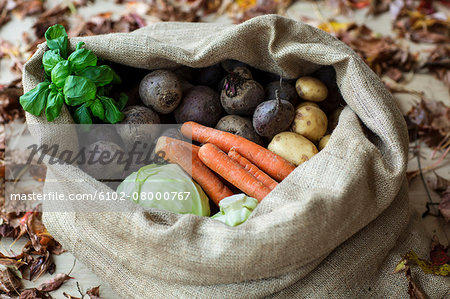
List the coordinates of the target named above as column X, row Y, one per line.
column 235, row 209
column 174, row 188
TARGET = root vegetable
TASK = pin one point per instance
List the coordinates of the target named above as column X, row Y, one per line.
column 310, row 122
column 186, row 156
column 241, row 95
column 161, row 90
column 293, row 147
column 200, row 104
column 233, row 172
column 253, row 169
column 140, row 124
column 239, row 125
column 273, row 117
column 272, row 164
column 324, row 141
column 311, row 89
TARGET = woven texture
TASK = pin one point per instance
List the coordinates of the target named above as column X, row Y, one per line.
column 334, row 228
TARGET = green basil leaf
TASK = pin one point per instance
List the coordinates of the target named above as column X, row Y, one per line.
column 78, row 90
column 82, row 58
column 80, row 45
column 97, row 109
column 123, row 100
column 82, row 115
column 55, row 101
column 100, row 75
column 56, row 37
column 112, row 113
column 50, row 59
column 34, row 100
column 60, row 72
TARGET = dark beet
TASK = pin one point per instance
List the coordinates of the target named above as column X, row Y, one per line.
column 239, row 94
column 273, row 117
column 200, row 104
column 286, row 91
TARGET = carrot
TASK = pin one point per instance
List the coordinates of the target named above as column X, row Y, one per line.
column 233, row 172
column 269, row 162
column 185, row 155
column 253, row 169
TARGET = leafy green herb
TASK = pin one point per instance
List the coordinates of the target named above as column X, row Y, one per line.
column 97, row 109
column 74, row 80
column 82, row 115
column 112, row 113
column 34, row 100
column 100, row 75
column 56, row 37
column 50, row 59
column 60, row 73
column 55, row 101
column 78, row 90
column 81, row 59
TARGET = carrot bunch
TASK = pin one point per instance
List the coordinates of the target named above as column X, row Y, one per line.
column 246, row 165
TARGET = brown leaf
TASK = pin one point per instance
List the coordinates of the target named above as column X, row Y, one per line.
column 54, row 283
column 9, row 283
column 34, row 294
column 41, row 265
column 438, row 62
column 438, row 253
column 29, row 8
column 413, row 290
column 94, row 293
column 438, row 183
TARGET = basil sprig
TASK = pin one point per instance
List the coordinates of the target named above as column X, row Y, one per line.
column 75, row 80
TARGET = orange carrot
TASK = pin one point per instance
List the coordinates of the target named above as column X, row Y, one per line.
column 269, row 162
column 185, row 155
column 253, row 169
column 233, row 172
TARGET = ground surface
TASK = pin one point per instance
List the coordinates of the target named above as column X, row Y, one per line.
column 433, row 88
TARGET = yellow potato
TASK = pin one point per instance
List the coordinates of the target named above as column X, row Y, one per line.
column 307, row 104
column 324, row 141
column 311, row 89
column 293, row 147
column 310, row 122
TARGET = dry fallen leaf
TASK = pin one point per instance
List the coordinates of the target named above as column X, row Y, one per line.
column 94, row 293
column 54, row 283
column 9, row 282
column 34, row 294
column 444, row 205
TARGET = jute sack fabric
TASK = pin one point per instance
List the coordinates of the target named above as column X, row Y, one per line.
column 334, row 228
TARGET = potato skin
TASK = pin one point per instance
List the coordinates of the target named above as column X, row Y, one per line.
column 324, row 141
column 311, row 89
column 306, row 104
column 161, row 90
column 241, row 126
column 200, row 104
column 293, row 147
column 310, row 122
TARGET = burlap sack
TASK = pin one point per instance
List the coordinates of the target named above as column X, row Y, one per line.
column 334, row 228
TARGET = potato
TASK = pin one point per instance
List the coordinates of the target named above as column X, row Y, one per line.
column 306, row 104
column 324, row 141
column 293, row 147
column 200, row 104
column 311, row 89
column 240, row 126
column 161, row 90
column 310, row 122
